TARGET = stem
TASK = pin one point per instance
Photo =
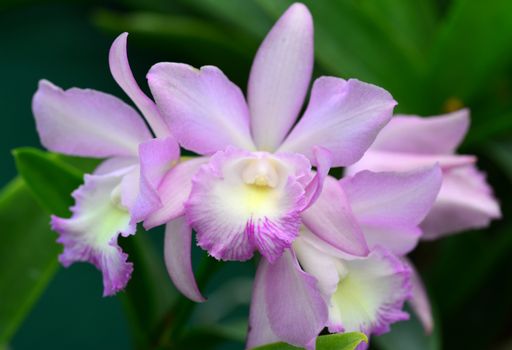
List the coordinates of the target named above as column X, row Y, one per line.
column 175, row 319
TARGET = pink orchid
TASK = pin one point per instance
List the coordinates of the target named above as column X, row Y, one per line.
column 316, row 285
column 122, row 189
column 410, row 142
column 257, row 178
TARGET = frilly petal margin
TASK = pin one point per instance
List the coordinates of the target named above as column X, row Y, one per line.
column 371, row 295
column 233, row 218
column 91, row 233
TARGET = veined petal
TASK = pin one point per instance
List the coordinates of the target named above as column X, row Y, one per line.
column 174, row 191
column 91, row 232
column 296, row 310
column 323, row 162
column 343, row 117
column 178, row 240
column 260, row 332
column 280, row 77
column 157, row 157
column 430, row 135
column 86, row 123
column 205, row 111
column 371, row 293
column 120, row 69
column 390, row 206
column 331, row 219
column 391, row 161
column 115, row 164
column 465, row 202
column 242, row 202
column 419, row 299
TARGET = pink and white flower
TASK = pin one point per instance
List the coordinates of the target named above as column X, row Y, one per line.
column 316, row 285
column 122, row 189
column 258, row 180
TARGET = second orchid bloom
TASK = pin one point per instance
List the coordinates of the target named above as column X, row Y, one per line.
column 332, row 251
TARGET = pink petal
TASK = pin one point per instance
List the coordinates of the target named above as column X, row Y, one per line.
column 280, row 77
column 342, row 116
column 174, row 191
column 390, row 206
column 323, row 161
column 419, row 301
column 205, row 110
column 465, row 202
column 120, row 69
column 296, row 309
column 91, row 232
column 331, row 219
column 157, row 156
column 429, row 135
column 115, row 164
column 233, row 216
column 86, row 123
column 177, row 249
column 260, row 332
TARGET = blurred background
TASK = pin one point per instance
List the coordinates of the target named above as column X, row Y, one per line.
column 434, row 56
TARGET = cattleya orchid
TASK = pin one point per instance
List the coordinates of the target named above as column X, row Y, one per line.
column 332, row 251
column 122, row 189
column 258, row 179
column 337, row 290
column 465, row 200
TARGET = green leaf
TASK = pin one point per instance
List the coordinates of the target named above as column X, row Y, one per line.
column 28, row 255
column 345, row 341
column 49, row 178
column 461, row 67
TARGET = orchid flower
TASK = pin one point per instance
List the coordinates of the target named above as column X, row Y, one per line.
column 410, row 142
column 465, row 200
column 257, row 175
column 316, row 285
column 122, row 189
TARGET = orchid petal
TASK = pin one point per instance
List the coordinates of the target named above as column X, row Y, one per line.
column 390, row 206
column 260, row 332
column 323, row 161
column 296, row 309
column 331, row 219
column 177, row 249
column 371, row 294
column 430, row 135
column 120, row 69
column 390, row 161
column 205, row 111
column 91, row 232
column 419, row 299
column 157, row 156
column 234, row 215
column 280, row 77
column 174, row 191
column 464, row 202
column 86, row 123
column 115, row 164
column 343, row 117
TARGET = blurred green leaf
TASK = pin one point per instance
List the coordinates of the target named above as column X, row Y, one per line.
column 28, row 255
column 49, row 178
column 150, row 292
column 409, row 335
column 345, row 341
column 473, row 44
